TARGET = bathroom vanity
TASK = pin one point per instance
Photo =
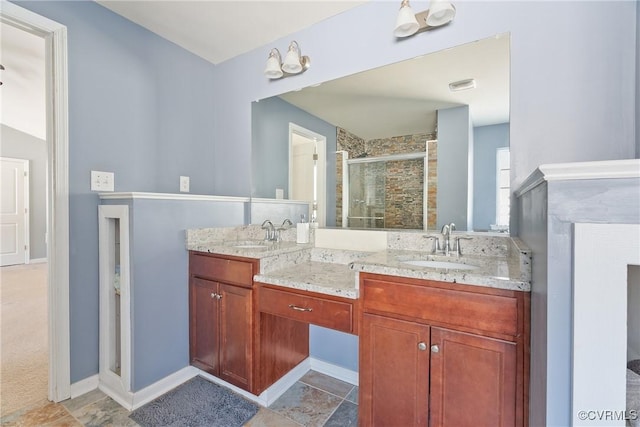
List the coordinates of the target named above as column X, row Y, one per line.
column 437, row 346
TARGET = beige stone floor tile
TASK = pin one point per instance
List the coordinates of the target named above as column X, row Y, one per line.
column 326, row 383
column 38, row 414
column 267, row 418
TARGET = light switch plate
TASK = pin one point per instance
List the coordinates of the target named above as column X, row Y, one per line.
column 279, row 193
column 102, row 181
column 184, row 184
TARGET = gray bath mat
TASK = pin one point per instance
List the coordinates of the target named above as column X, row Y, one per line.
column 196, row 403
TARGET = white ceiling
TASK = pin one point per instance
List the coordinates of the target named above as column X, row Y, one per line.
column 218, row 30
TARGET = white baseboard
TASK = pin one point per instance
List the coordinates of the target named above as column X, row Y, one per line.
column 276, row 390
column 335, row 371
column 84, row 386
column 124, row 398
column 159, row 388
column 135, row 400
column 37, row 260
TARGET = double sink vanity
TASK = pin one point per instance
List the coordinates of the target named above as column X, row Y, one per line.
column 443, row 340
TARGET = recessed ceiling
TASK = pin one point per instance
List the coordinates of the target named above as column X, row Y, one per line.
column 219, row 30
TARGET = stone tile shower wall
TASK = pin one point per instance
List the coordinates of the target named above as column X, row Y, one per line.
column 404, row 180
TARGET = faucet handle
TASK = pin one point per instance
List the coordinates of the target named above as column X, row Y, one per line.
column 436, row 243
column 457, row 246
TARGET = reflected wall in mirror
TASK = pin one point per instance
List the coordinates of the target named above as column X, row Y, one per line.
column 411, row 151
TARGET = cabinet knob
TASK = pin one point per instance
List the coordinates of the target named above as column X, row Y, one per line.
column 213, row 295
column 218, row 296
column 422, row 346
column 435, row 349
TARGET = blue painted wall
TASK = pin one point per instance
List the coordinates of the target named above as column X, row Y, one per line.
column 558, row 114
column 160, row 298
column 270, row 120
column 140, row 107
column 486, row 140
column 454, row 143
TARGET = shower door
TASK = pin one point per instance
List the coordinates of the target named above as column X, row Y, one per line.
column 366, row 195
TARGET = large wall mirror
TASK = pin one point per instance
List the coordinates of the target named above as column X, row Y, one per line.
column 411, row 145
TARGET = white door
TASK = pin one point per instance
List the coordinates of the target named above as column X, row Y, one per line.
column 13, row 211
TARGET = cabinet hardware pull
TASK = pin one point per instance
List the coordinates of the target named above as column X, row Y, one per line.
column 213, row 294
column 422, row 346
column 435, row 349
column 295, row 307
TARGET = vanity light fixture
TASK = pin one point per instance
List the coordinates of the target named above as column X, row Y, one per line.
column 293, row 63
column 440, row 13
column 462, row 85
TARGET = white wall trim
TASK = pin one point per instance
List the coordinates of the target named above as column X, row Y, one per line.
column 55, row 37
column 118, row 385
column 609, row 169
column 599, row 341
column 170, row 196
column 84, row 386
column 335, row 371
column 37, row 260
column 162, row 386
column 280, row 201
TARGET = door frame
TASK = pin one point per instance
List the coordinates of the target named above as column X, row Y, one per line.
column 321, row 175
column 27, row 211
column 56, row 87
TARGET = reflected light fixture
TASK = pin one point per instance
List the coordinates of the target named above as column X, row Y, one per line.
column 440, row 13
column 293, row 63
column 1, row 69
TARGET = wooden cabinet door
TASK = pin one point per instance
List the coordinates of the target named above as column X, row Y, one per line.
column 236, row 339
column 394, row 372
column 204, row 324
column 473, row 380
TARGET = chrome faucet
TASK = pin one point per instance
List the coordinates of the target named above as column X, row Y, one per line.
column 447, row 229
column 286, row 224
column 270, row 230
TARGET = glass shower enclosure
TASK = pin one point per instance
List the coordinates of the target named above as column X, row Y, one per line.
column 385, row 191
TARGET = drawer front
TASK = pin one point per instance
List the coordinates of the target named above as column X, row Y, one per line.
column 491, row 313
column 319, row 311
column 221, row 269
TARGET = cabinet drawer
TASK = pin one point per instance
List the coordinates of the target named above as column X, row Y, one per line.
column 222, row 269
column 491, row 313
column 319, row 311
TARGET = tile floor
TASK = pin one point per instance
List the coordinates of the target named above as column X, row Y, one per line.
column 315, row 400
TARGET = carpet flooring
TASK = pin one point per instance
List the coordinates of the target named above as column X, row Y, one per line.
column 24, row 359
column 196, row 403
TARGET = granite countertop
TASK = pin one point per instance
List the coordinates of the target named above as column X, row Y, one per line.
column 257, row 249
column 503, row 263
column 315, row 276
column 491, row 271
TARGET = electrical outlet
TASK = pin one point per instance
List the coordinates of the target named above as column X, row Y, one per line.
column 184, row 184
column 102, row 181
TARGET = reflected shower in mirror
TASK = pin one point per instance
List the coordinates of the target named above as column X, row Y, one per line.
column 412, row 145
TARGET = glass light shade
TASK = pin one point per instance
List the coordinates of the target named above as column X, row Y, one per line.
column 273, row 70
column 406, row 23
column 440, row 12
column 291, row 62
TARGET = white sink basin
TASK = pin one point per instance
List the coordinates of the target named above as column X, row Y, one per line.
column 440, row 264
